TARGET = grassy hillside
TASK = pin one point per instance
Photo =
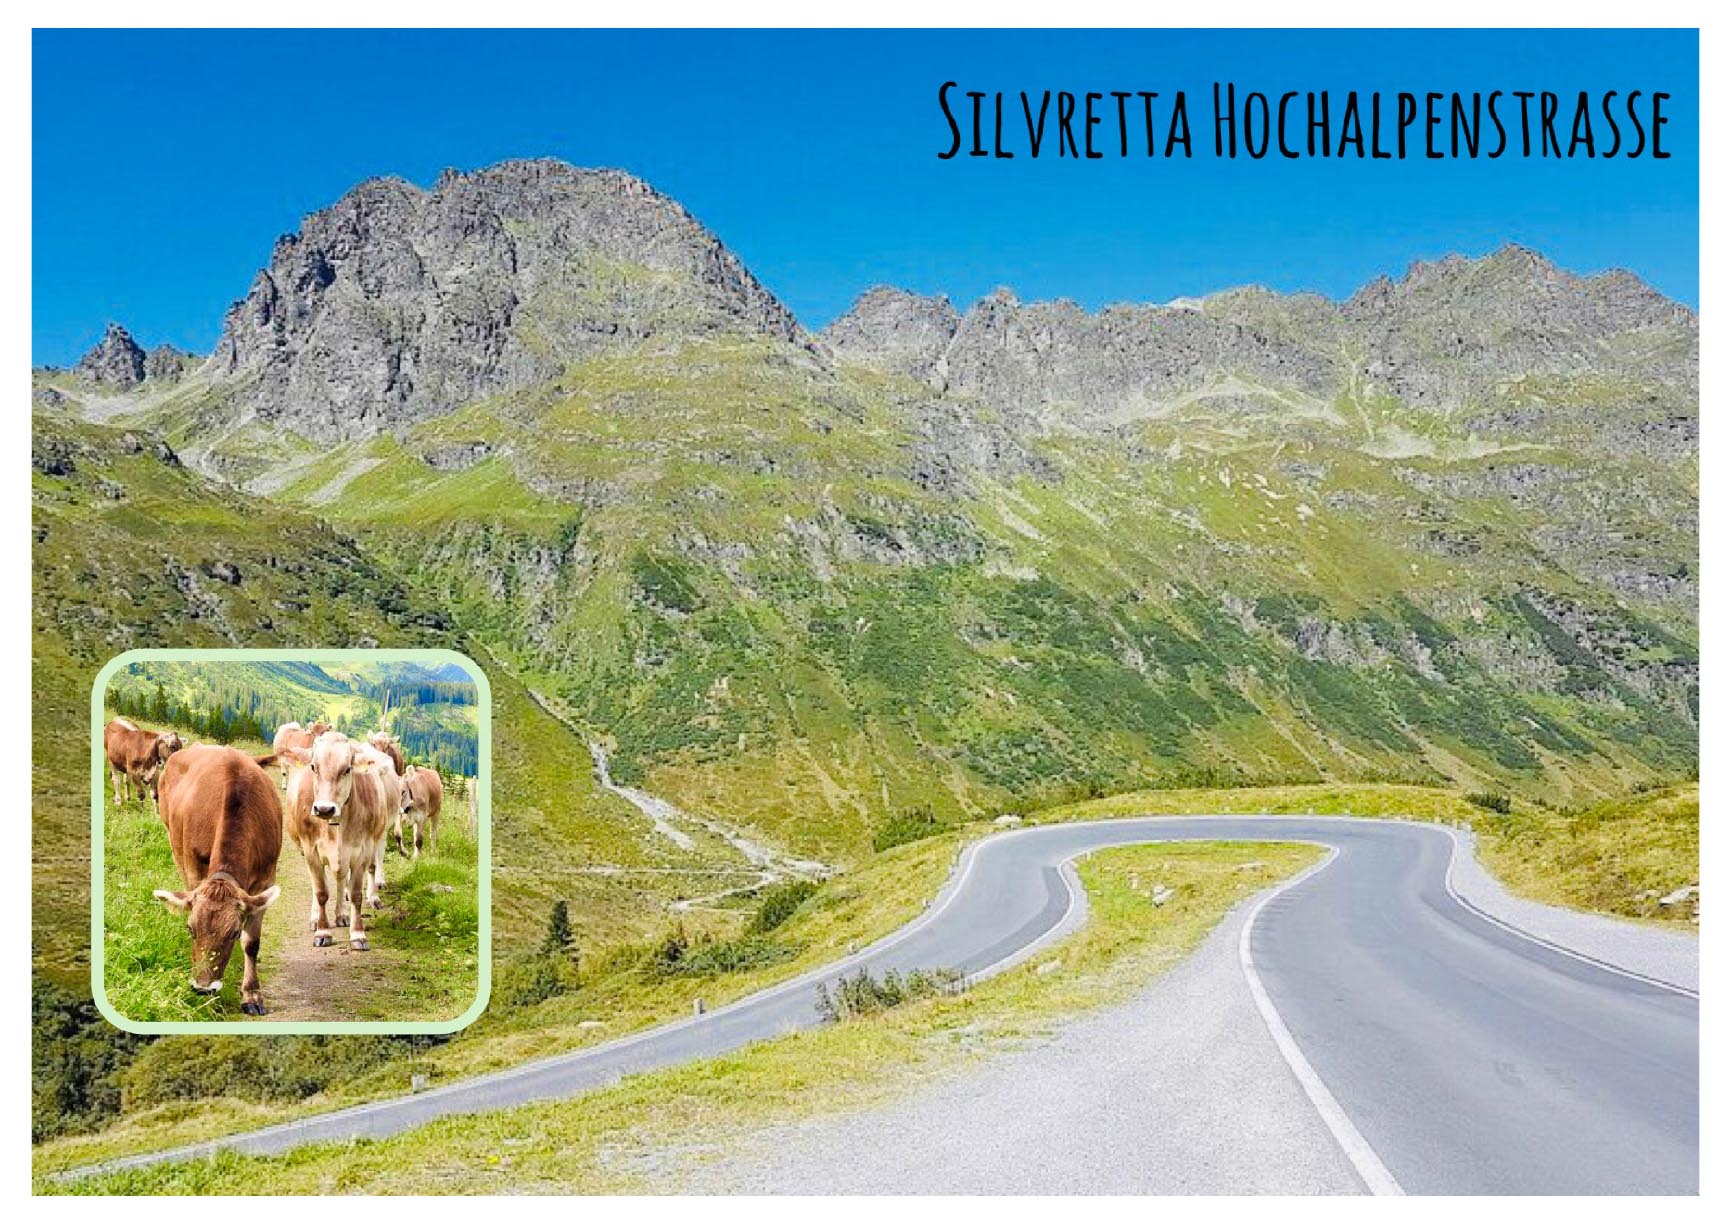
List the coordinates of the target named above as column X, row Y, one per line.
column 804, row 598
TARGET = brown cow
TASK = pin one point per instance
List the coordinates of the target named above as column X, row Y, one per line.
column 386, row 745
column 135, row 755
column 341, row 798
column 224, row 823
column 391, row 749
column 292, row 736
column 422, row 802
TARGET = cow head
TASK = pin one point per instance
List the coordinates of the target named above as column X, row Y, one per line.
column 319, row 728
column 333, row 762
column 216, row 911
column 166, row 744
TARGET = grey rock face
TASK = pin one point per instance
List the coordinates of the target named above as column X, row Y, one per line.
column 1454, row 326
column 117, row 361
column 397, row 303
column 1439, row 336
column 894, row 330
column 1056, row 361
column 165, row 364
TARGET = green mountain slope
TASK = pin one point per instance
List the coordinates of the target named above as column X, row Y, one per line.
column 127, row 541
column 727, row 560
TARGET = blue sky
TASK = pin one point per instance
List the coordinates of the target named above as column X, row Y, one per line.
column 165, row 164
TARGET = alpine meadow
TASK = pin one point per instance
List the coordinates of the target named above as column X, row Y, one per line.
column 767, row 610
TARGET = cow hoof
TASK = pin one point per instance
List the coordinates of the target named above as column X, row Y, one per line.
column 252, row 1007
column 358, row 943
column 322, row 939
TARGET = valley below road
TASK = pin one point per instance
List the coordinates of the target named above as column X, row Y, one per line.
column 1388, row 1021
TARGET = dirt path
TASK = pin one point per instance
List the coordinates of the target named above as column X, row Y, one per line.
column 303, row 982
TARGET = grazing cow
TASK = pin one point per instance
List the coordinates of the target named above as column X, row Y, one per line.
column 135, row 755
column 224, row 823
column 292, row 736
column 422, row 802
column 341, row 798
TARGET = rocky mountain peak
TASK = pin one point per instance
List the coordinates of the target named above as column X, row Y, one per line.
column 898, row 331
column 116, row 361
column 398, row 303
column 165, row 364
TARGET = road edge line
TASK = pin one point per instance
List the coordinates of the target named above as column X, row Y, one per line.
column 1457, row 850
column 1356, row 1148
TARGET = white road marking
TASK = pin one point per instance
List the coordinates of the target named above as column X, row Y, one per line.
column 1361, row 1155
column 1526, row 935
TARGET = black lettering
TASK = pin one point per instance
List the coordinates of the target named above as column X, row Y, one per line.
column 1064, row 125
column 1224, row 117
column 1612, row 151
column 1264, row 124
column 1523, row 97
column 948, row 115
column 1034, row 132
column 1322, row 124
column 1282, row 124
column 1580, row 123
column 1466, row 128
column 1351, row 121
column 1549, row 113
column 1178, row 129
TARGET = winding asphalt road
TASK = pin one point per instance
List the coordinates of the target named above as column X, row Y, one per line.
column 1445, row 1051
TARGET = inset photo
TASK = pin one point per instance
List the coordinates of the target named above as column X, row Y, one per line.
column 291, row 841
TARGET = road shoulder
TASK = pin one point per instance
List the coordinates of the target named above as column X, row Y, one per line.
column 1180, row 1090
column 1659, row 954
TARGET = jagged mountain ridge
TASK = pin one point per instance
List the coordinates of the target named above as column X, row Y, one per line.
column 398, row 303
column 1441, row 333
column 1445, row 529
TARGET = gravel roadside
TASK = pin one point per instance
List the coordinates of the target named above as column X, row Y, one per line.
column 1179, row 1091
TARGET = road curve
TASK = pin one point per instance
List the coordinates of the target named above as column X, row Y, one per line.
column 1447, row 1052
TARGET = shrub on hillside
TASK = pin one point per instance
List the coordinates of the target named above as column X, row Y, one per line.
column 77, row 1059
column 863, row 994
column 908, row 826
column 527, row 981
column 260, row 1068
column 1497, row 802
column 779, row 902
